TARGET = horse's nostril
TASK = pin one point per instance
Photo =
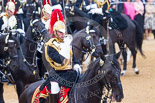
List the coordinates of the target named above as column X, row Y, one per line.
column 119, row 98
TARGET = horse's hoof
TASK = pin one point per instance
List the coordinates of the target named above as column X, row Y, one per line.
column 123, row 72
column 136, row 70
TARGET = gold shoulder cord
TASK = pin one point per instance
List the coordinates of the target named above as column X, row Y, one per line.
column 100, row 4
column 67, row 2
column 49, row 43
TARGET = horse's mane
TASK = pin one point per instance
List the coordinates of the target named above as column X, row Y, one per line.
column 90, row 67
column 76, row 35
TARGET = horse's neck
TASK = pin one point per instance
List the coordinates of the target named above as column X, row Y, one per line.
column 90, row 92
column 28, row 47
column 77, row 48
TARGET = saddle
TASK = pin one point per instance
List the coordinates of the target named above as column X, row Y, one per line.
column 118, row 22
column 63, row 97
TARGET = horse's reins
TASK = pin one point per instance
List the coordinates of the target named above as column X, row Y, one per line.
column 107, row 85
column 90, row 42
column 34, row 64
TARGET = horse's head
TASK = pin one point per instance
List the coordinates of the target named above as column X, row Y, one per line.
column 29, row 8
column 10, row 50
column 111, row 77
column 39, row 32
column 91, row 42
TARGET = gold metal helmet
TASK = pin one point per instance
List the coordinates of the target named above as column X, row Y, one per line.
column 57, row 23
column 59, row 26
column 47, row 8
column 10, row 6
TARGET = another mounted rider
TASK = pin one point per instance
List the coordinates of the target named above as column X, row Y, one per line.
column 58, row 53
column 95, row 7
column 46, row 13
column 8, row 20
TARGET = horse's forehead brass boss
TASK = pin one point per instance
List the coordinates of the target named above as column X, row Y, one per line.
column 101, row 62
column 88, row 37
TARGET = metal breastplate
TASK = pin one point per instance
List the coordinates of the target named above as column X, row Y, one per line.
column 67, row 64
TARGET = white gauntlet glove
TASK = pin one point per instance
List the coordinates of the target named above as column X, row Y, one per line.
column 78, row 68
column 96, row 11
column 92, row 6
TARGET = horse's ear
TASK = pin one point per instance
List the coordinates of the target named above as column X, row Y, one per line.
column 118, row 55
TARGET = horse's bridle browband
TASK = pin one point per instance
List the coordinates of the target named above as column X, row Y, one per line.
column 27, row 5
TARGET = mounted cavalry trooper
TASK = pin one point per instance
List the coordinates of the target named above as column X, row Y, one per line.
column 8, row 20
column 55, row 4
column 46, row 13
column 47, row 10
column 58, row 53
column 100, row 7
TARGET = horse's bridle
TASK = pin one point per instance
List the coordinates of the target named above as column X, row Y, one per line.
column 35, row 31
column 90, row 41
column 30, row 5
column 7, row 59
column 107, row 84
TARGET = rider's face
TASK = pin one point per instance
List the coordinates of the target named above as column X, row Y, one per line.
column 60, row 34
column 47, row 15
column 10, row 13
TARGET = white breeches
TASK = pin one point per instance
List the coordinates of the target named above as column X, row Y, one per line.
column 54, row 87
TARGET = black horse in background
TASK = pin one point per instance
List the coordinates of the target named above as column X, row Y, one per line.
column 132, row 37
column 26, row 70
column 28, row 9
column 89, row 87
column 8, row 57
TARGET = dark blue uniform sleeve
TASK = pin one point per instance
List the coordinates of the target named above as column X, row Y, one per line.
column 55, row 56
column 78, row 3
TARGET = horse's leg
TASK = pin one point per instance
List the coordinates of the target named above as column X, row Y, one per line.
column 1, row 93
column 124, row 53
column 19, row 87
column 134, row 53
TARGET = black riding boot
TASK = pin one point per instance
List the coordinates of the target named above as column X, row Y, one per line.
column 53, row 98
column 41, row 100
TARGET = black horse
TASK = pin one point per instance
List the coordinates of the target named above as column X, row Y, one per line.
column 8, row 55
column 89, row 87
column 28, row 70
column 28, row 9
column 86, row 43
column 25, row 70
column 132, row 37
